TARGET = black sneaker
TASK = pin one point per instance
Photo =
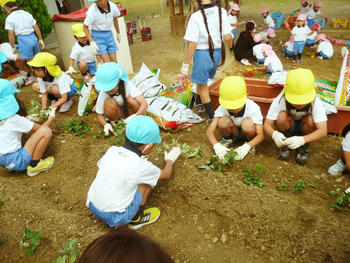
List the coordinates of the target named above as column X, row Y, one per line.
column 148, row 216
column 283, row 153
column 302, row 154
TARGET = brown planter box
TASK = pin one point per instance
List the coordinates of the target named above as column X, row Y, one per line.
column 263, row 94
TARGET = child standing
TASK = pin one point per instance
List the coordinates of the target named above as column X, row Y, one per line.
column 269, row 25
column 233, row 13
column 324, row 48
column 53, row 84
column 82, row 53
column 118, row 97
column 272, row 63
column 14, row 156
column 288, row 48
column 298, row 115
column 205, row 32
column 237, row 118
column 257, row 49
column 124, row 180
column 343, row 163
column 101, row 17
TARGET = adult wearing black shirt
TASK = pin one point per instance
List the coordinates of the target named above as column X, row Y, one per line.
column 243, row 50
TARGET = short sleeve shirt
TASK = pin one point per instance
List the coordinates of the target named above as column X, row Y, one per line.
column 269, row 21
column 346, row 143
column 257, row 51
column 232, row 20
column 301, row 33
column 63, row 82
column 326, row 48
column 82, row 53
column 311, row 14
column 274, row 62
column 21, row 22
column 101, row 21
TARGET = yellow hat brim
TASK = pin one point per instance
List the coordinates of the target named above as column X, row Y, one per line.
column 54, row 71
column 233, row 104
column 301, row 99
column 80, row 34
column 35, row 64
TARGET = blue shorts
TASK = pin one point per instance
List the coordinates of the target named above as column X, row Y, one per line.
column 298, row 46
column 270, row 69
column 240, row 136
column 260, row 60
column 91, row 67
column 28, row 46
column 16, row 161
column 234, row 32
column 288, row 53
column 105, row 42
column 324, row 55
column 114, row 218
column 71, row 93
column 203, row 66
column 309, row 42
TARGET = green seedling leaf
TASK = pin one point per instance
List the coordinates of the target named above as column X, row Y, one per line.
column 206, row 167
column 197, row 152
column 283, row 186
column 77, row 126
column 30, row 240
column 335, row 192
column 60, row 259
column 248, row 172
column 185, row 148
column 175, row 143
column 338, row 207
column 312, row 186
column 166, row 146
column 300, row 186
column 28, row 234
column 259, row 167
column 70, row 252
column 31, row 250
column 2, row 202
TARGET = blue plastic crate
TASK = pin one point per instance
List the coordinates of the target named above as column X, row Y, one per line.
column 311, row 22
column 278, row 17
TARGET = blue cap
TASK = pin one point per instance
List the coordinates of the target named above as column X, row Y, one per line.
column 3, row 58
column 8, row 102
column 143, row 129
column 108, row 75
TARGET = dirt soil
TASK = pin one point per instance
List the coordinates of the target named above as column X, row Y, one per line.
column 206, row 216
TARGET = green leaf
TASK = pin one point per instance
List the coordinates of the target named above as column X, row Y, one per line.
column 28, row 234
column 38, row 234
column 336, row 206
column 60, row 259
column 283, row 186
column 247, row 172
column 312, row 186
column 2, row 202
column 31, row 250
column 335, row 192
column 185, row 148
column 175, row 143
column 259, row 167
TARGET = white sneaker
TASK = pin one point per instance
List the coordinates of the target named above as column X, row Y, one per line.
column 66, row 106
column 337, row 169
column 245, row 62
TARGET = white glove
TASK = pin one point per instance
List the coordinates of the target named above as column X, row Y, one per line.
column 93, row 48
column 184, row 69
column 52, row 112
column 220, row 150
column 107, row 128
column 347, row 191
column 71, row 70
column 119, row 37
column 129, row 118
column 33, row 117
column 242, row 151
column 41, row 44
column 13, row 50
column 172, row 155
column 295, row 142
column 279, row 139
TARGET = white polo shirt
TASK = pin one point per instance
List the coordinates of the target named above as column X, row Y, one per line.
column 301, row 33
column 311, row 14
column 6, row 48
column 82, row 53
column 279, row 104
column 130, row 90
column 232, row 20
column 313, row 36
column 269, row 21
column 346, row 143
column 326, row 48
column 21, row 22
column 274, row 62
column 101, row 21
column 252, row 111
column 11, row 130
column 63, row 82
column 304, row 10
column 257, row 51
column 290, row 46
column 196, row 30
column 120, row 171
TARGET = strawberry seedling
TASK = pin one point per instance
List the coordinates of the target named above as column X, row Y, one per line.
column 299, row 186
column 36, row 110
column 77, row 126
column 185, row 148
column 69, row 253
column 30, row 240
column 335, row 192
column 2, row 202
column 217, row 164
column 252, row 176
column 283, row 186
column 342, row 201
column 197, row 152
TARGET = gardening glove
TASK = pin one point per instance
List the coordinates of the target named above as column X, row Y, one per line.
column 93, row 48
column 172, row 155
column 347, row 191
column 184, row 69
column 295, row 142
column 107, row 128
column 242, row 151
column 33, row 117
column 279, row 139
column 129, row 118
column 41, row 44
column 119, row 37
column 220, row 150
column 71, row 70
column 13, row 50
column 52, row 112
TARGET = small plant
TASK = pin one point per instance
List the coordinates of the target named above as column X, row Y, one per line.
column 36, row 109
column 252, row 177
column 118, row 136
column 197, row 152
column 69, row 253
column 335, row 192
column 175, row 143
column 4, row 239
column 283, row 186
column 2, row 202
column 77, row 126
column 342, row 201
column 299, row 186
column 217, row 164
column 30, row 240
column 185, row 148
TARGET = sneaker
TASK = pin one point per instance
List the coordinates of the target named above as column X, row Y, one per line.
column 29, row 81
column 148, row 216
column 245, row 62
column 283, row 153
column 338, row 168
column 66, row 106
column 320, row 57
column 199, row 107
column 42, row 166
column 302, row 154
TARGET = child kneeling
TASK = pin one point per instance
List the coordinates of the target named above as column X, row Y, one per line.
column 237, row 118
column 124, row 180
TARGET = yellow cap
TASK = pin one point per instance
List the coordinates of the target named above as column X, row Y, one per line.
column 233, row 92
column 78, row 30
column 47, row 60
column 4, row 2
column 300, row 86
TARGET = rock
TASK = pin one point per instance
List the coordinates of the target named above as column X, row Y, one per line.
column 223, row 238
column 215, row 239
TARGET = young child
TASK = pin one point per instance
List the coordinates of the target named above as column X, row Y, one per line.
column 101, row 17
column 269, row 25
column 82, row 53
column 298, row 115
column 124, row 180
column 310, row 40
column 272, row 63
column 324, row 48
column 288, row 48
column 233, row 13
column 118, row 97
column 305, row 7
column 53, row 84
column 14, row 156
column 11, row 56
column 300, row 33
column 237, row 118
column 343, row 164
column 257, row 49
column 206, row 47
column 314, row 12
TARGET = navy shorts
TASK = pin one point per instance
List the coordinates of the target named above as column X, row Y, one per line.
column 71, row 93
column 28, row 46
column 324, row 55
column 288, row 53
column 203, row 66
column 114, row 218
column 91, row 67
column 16, row 161
column 309, row 42
column 297, row 131
column 105, row 42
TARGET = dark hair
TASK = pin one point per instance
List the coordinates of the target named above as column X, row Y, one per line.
column 210, row 40
column 345, row 130
column 249, row 27
column 22, row 109
column 48, row 77
column 11, row 4
column 124, row 245
column 121, row 91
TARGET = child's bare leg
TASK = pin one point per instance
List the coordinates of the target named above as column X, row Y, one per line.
column 145, row 190
column 113, row 57
column 36, row 87
column 83, row 68
column 54, row 90
column 133, row 105
column 112, row 109
column 20, row 63
column 284, row 122
column 248, row 128
column 226, row 126
column 105, row 58
column 37, row 143
column 307, row 124
column 203, row 92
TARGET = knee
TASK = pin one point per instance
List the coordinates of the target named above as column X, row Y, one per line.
column 45, row 131
column 283, row 120
column 83, row 66
column 110, row 106
column 133, row 103
column 225, row 123
column 307, row 124
column 248, row 127
column 36, row 87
